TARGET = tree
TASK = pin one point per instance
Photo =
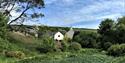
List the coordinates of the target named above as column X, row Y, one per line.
column 106, row 26
column 112, row 33
column 3, row 25
column 87, row 39
column 107, row 33
column 106, row 30
column 21, row 6
column 121, row 20
column 120, row 30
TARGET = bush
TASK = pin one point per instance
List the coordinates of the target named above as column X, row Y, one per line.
column 45, row 45
column 16, row 54
column 65, row 46
column 117, row 50
column 107, row 45
column 87, row 39
column 75, row 46
column 3, row 25
column 4, row 44
column 45, row 49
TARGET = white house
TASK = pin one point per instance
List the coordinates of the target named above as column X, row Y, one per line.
column 58, row 36
column 70, row 34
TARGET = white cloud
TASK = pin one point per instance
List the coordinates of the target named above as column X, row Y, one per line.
column 86, row 26
column 79, row 26
column 112, row 16
column 103, row 6
column 98, row 10
column 47, row 2
column 68, row 1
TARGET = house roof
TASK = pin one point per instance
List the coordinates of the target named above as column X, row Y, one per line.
column 70, row 33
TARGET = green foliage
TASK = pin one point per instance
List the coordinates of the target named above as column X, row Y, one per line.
column 16, row 54
column 46, row 44
column 65, row 46
column 121, row 20
column 107, row 45
column 117, row 50
column 75, row 46
column 120, row 29
column 3, row 25
column 27, row 48
column 4, row 44
column 106, row 31
column 106, row 27
column 119, row 60
column 87, row 39
column 111, row 32
column 72, row 57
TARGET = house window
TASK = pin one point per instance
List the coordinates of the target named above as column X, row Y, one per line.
column 58, row 35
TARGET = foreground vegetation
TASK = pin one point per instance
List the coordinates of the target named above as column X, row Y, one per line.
column 32, row 55
column 83, row 56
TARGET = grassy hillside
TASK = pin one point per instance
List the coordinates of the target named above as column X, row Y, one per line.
column 17, row 42
column 85, row 55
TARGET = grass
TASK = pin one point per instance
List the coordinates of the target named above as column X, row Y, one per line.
column 82, row 56
column 4, row 59
column 85, row 55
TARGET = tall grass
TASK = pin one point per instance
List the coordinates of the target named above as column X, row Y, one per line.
column 83, row 56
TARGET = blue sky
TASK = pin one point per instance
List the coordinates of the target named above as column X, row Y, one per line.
column 81, row 13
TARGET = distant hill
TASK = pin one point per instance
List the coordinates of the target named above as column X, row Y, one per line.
column 49, row 28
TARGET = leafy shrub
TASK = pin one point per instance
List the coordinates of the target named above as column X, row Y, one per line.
column 46, row 44
column 119, row 60
column 117, row 50
column 4, row 44
column 3, row 25
column 107, row 45
column 75, row 46
column 16, row 54
column 7, row 45
column 45, row 49
column 65, row 46
column 87, row 39
column 113, row 32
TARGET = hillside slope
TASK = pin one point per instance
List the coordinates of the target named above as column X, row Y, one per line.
column 85, row 55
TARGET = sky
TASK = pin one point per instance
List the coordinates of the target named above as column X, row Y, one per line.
column 81, row 13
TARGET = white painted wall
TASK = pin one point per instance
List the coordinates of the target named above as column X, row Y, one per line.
column 58, row 36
